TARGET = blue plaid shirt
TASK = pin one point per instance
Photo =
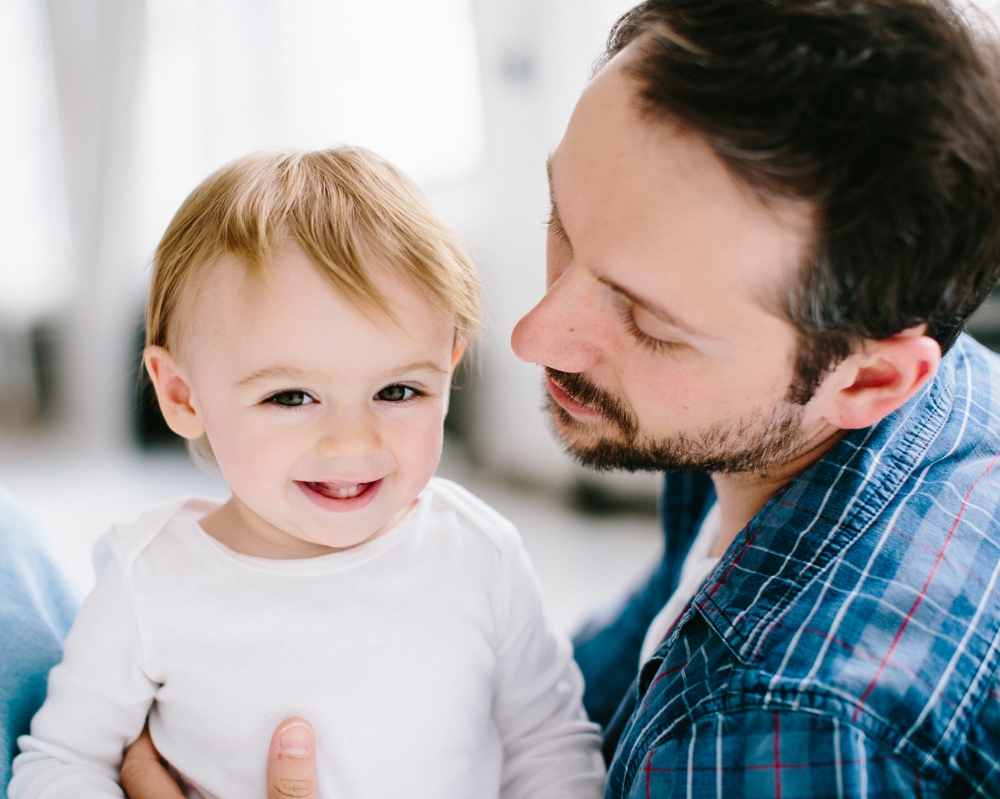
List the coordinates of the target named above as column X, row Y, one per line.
column 848, row 644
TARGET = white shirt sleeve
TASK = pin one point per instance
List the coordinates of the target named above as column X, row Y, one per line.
column 96, row 705
column 551, row 750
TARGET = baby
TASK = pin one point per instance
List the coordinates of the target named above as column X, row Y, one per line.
column 306, row 313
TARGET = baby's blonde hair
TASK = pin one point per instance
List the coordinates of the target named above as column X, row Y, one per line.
column 344, row 206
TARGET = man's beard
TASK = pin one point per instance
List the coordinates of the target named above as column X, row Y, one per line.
column 751, row 444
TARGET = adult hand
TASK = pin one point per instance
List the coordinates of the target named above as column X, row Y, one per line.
column 144, row 775
column 291, row 766
column 291, row 761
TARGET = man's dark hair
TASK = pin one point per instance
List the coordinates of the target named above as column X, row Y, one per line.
column 884, row 114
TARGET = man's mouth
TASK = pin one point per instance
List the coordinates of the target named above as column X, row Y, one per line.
column 567, row 403
column 340, row 495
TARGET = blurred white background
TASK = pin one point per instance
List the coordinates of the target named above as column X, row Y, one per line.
column 115, row 109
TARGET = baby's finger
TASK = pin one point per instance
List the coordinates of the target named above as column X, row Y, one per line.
column 143, row 775
column 291, row 761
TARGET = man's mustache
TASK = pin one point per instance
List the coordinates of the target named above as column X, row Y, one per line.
column 576, row 386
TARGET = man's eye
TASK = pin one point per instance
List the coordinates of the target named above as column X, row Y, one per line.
column 627, row 316
column 554, row 226
column 290, row 399
column 396, row 393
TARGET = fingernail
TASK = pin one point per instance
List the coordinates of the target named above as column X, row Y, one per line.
column 296, row 739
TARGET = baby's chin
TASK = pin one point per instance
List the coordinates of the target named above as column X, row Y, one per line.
column 337, row 531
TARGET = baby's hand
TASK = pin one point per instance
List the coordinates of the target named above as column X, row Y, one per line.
column 291, row 766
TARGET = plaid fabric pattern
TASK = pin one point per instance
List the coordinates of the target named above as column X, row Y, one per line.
column 848, row 644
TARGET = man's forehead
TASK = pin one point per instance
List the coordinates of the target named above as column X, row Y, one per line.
column 610, row 136
column 625, row 183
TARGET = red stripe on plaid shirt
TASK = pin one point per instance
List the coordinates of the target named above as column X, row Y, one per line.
column 923, row 591
column 754, row 767
column 777, row 756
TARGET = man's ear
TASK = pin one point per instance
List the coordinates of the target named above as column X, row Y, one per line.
column 173, row 392
column 870, row 384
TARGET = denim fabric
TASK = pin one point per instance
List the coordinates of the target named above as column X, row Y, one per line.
column 607, row 648
column 848, row 644
column 37, row 605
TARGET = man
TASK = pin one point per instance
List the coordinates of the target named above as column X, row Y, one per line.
column 771, row 221
column 37, row 606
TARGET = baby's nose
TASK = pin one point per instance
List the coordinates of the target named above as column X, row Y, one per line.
column 346, row 435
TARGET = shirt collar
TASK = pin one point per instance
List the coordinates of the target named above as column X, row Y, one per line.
column 807, row 524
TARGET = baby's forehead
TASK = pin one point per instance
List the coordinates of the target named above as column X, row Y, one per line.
column 230, row 292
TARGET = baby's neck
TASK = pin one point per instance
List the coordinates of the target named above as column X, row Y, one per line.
column 238, row 528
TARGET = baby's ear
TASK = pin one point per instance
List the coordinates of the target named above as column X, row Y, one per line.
column 457, row 354
column 174, row 393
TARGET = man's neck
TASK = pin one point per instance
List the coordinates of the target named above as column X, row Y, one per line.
column 741, row 496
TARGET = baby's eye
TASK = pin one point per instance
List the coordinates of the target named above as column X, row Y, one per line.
column 396, row 393
column 289, row 399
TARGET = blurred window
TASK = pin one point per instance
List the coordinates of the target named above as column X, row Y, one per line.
column 231, row 76
column 35, row 274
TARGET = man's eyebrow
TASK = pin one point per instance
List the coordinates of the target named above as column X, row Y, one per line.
column 555, row 223
column 654, row 308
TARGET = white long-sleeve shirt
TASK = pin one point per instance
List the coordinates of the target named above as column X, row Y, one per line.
column 423, row 660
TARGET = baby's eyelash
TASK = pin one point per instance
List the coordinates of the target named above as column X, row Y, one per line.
column 388, row 394
column 290, row 398
column 627, row 316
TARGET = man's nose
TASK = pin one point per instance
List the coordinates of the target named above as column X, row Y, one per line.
column 346, row 434
column 559, row 331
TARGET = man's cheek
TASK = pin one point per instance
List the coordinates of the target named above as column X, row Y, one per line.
column 665, row 395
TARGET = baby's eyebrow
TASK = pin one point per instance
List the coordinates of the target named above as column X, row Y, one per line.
column 421, row 366
column 287, row 373
column 272, row 372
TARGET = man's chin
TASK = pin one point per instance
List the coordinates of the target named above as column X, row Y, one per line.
column 574, row 433
column 760, row 446
column 608, row 454
column 597, row 444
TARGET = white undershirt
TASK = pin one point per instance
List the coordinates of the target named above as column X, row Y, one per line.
column 697, row 566
column 423, row 659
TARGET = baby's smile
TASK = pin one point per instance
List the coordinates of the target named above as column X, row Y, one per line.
column 340, row 496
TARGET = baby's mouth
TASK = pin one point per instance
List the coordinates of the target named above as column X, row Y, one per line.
column 340, row 490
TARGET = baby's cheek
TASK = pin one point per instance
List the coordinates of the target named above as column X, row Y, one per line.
column 418, row 443
column 247, row 462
